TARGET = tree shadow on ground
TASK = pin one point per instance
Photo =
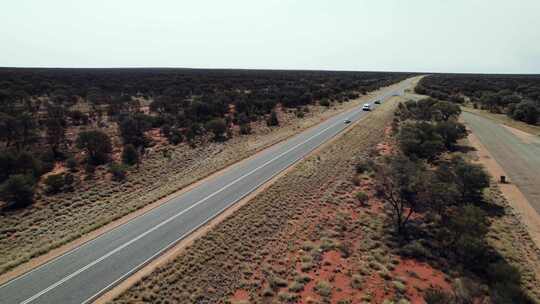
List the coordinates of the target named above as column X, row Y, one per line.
column 479, row 271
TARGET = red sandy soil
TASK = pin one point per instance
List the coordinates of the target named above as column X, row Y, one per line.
column 420, row 276
column 240, row 296
column 335, row 269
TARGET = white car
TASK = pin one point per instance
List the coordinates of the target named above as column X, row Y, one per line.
column 366, row 107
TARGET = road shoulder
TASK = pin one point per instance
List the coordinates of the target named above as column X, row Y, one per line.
column 511, row 192
column 505, row 121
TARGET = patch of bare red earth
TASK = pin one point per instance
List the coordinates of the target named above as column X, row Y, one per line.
column 333, row 268
column 419, row 277
column 240, row 296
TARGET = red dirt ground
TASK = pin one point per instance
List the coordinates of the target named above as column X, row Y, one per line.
column 420, row 276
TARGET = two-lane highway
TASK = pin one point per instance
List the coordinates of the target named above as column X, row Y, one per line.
column 81, row 275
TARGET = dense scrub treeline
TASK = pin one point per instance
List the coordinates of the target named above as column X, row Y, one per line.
column 516, row 95
column 435, row 197
column 39, row 108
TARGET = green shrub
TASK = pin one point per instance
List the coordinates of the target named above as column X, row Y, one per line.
column 245, row 128
column 296, row 286
column 18, row 190
column 217, row 126
column 420, row 140
column 526, row 111
column 97, row 145
column 118, row 171
column 90, row 169
column 363, row 166
column 466, row 236
column 130, row 155
column 362, row 197
column 175, row 136
column 415, row 250
column 303, row 278
column 470, row 179
column 276, row 282
column 400, row 286
column 272, row 119
column 437, row 296
column 324, row 102
column 323, row 288
column 451, row 132
column 69, row 181
column 356, row 281
column 54, row 183
column 344, row 249
column 287, row 297
column 71, row 164
column 503, row 272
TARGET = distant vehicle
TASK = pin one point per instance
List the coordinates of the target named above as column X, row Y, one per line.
column 347, row 121
column 378, row 101
column 395, row 94
column 366, row 107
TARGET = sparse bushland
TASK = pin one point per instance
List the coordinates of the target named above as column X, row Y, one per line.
column 45, row 110
column 97, row 146
column 428, row 128
column 446, row 192
column 516, row 95
column 50, row 121
column 287, row 243
column 18, row 190
column 306, row 238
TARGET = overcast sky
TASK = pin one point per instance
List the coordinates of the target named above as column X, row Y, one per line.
column 491, row 36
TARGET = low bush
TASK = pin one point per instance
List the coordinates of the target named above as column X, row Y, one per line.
column 245, row 129
column 272, row 119
column 130, row 155
column 18, row 190
column 97, row 146
column 415, row 250
column 324, row 102
column 71, row 164
column 54, row 183
column 362, row 197
column 323, row 288
column 363, row 166
column 118, row 171
column 526, row 111
column 438, row 296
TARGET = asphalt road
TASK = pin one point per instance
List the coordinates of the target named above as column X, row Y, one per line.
column 520, row 159
column 81, row 275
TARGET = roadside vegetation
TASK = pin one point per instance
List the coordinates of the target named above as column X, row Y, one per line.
column 71, row 162
column 518, row 96
column 356, row 223
column 437, row 203
column 273, row 249
column 50, row 116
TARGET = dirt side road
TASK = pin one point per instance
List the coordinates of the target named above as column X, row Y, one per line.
column 511, row 153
